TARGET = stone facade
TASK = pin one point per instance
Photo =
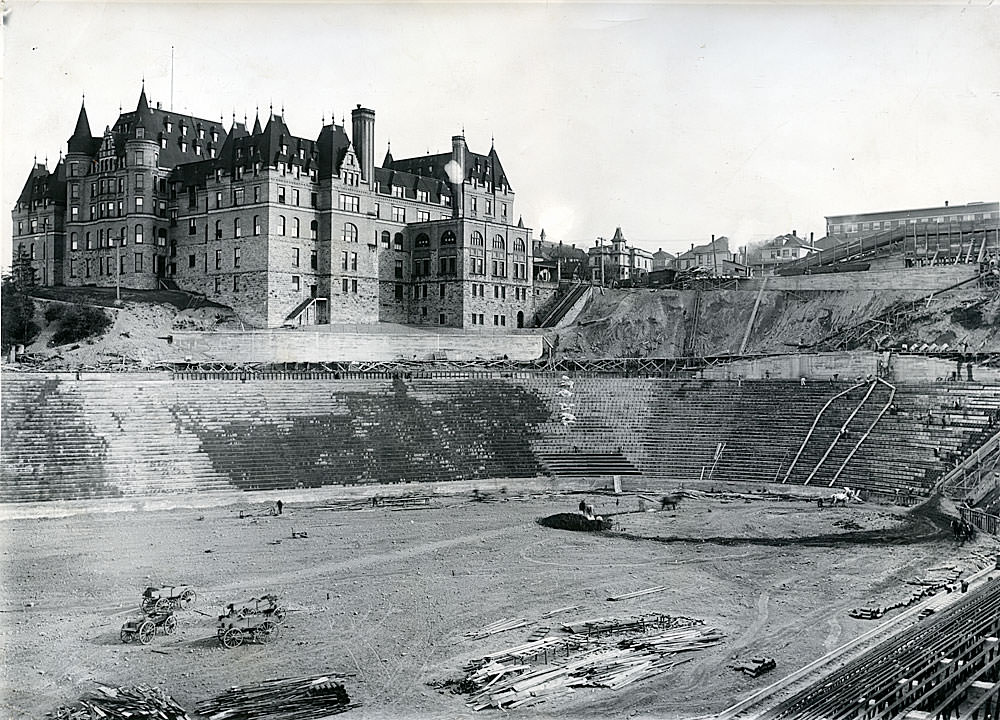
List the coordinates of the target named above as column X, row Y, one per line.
column 284, row 229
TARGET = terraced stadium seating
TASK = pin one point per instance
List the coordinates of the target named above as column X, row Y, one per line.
column 122, row 435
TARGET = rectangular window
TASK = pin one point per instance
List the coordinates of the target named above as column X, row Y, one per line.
column 344, row 285
column 354, row 286
column 441, row 289
column 295, row 257
column 218, row 284
column 281, row 195
column 238, row 196
column 313, row 260
column 140, row 180
column 137, row 265
column 237, row 232
column 423, row 216
column 350, row 203
column 256, row 193
column 296, row 283
column 399, row 270
column 397, row 191
column 399, row 291
column 192, row 227
column 191, row 261
column 295, row 197
column 354, row 261
column 218, row 259
column 236, row 257
column 343, row 260
column 138, row 157
column 138, row 205
column 313, row 200
column 399, row 214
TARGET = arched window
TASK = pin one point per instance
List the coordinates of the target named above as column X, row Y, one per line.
column 499, row 243
column 386, row 238
column 236, row 227
column 422, row 241
column 397, row 241
column 138, row 234
column 295, row 227
column 350, row 232
column 313, row 229
column 448, row 238
column 519, row 245
column 477, row 239
column 281, row 224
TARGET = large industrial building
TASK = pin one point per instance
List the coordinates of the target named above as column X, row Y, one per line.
column 283, row 229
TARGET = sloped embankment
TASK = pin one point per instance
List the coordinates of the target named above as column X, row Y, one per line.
column 656, row 323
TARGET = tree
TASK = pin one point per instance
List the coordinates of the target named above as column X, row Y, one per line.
column 18, row 311
column 23, row 272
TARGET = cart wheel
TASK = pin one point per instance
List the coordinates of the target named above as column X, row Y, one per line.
column 148, row 604
column 188, row 597
column 266, row 632
column 233, row 637
column 162, row 604
column 279, row 612
column 146, row 631
column 170, row 625
column 127, row 636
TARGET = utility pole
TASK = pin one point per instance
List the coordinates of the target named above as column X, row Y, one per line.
column 118, row 269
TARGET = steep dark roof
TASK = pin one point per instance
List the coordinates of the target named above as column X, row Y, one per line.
column 44, row 185
column 481, row 167
column 184, row 134
column 618, row 235
column 82, row 141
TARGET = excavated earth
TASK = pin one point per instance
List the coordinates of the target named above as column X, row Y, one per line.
column 655, row 323
column 388, row 595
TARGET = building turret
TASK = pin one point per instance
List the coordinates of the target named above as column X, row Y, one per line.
column 81, row 141
column 363, row 138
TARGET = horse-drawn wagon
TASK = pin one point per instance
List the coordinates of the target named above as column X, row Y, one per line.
column 169, row 597
column 259, row 622
column 144, row 628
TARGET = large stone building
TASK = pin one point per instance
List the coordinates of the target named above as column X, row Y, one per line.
column 284, row 229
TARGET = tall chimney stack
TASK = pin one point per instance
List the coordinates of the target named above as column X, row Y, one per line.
column 458, row 148
column 363, row 137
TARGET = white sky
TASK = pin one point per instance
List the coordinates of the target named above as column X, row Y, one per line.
column 672, row 121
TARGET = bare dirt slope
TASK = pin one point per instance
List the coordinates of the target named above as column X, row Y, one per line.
column 389, row 595
column 138, row 335
column 654, row 323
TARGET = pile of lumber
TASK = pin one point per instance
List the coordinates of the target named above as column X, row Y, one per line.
column 639, row 623
column 498, row 627
column 755, row 666
column 309, row 698
column 637, row 593
column 508, row 679
column 926, row 586
column 137, row 703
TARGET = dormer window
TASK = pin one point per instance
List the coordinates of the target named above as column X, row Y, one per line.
column 163, row 142
column 284, row 148
column 184, row 130
column 184, row 146
column 197, row 149
column 170, row 126
column 140, row 132
column 215, row 136
column 201, row 133
column 302, row 154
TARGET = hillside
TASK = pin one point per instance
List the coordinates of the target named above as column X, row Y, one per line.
column 137, row 336
column 655, row 323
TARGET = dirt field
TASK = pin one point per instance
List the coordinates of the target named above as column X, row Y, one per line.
column 389, row 594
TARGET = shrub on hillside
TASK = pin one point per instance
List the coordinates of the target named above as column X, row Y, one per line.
column 53, row 312
column 80, row 321
column 968, row 317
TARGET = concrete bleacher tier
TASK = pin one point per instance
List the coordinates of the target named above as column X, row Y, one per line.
column 126, row 436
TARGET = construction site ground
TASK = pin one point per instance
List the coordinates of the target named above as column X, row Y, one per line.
column 388, row 594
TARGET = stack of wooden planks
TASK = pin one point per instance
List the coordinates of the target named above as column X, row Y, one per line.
column 308, row 698
column 137, row 703
column 509, row 679
column 498, row 627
